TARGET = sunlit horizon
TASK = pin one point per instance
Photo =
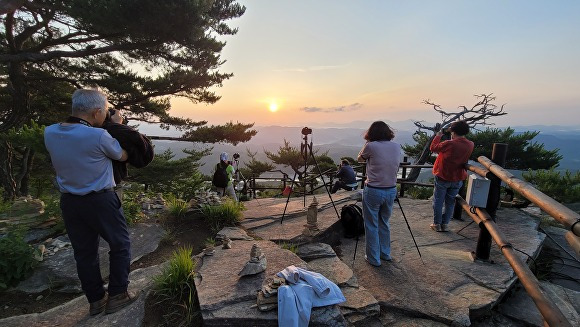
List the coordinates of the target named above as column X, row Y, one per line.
column 342, row 61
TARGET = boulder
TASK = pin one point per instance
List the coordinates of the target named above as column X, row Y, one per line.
column 58, row 271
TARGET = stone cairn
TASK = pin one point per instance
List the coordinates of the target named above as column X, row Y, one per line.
column 204, row 197
column 257, row 262
column 155, row 204
column 50, row 247
column 267, row 298
column 311, row 228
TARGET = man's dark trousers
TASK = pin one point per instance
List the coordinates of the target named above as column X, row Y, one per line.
column 340, row 185
column 86, row 218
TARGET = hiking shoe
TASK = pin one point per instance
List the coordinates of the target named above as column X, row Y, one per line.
column 386, row 258
column 119, row 301
column 435, row 227
column 372, row 264
column 98, row 306
column 444, row 227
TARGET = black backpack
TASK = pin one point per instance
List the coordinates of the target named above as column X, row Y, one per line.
column 352, row 220
column 220, row 176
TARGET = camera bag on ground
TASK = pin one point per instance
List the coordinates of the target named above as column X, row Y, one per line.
column 352, row 220
column 220, row 176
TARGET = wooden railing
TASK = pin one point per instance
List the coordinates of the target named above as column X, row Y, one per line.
column 485, row 218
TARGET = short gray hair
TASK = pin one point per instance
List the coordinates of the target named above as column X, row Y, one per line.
column 83, row 100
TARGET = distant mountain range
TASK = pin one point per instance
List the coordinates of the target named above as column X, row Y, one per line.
column 347, row 141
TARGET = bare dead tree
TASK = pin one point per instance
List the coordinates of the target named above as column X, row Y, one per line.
column 478, row 115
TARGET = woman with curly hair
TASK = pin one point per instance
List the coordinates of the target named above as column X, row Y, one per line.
column 382, row 157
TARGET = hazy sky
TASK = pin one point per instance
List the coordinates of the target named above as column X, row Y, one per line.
column 340, row 61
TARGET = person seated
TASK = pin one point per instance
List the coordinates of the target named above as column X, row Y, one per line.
column 346, row 178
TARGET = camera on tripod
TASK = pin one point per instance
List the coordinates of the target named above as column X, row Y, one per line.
column 236, row 156
column 306, row 131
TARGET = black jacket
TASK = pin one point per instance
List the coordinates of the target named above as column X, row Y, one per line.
column 138, row 147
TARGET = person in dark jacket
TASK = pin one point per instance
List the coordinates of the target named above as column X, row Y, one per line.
column 139, row 148
column 346, row 178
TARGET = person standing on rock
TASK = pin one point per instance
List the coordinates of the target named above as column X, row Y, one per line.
column 223, row 178
column 82, row 155
column 382, row 157
column 449, row 171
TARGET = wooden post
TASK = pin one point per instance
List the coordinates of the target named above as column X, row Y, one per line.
column 483, row 248
column 403, row 176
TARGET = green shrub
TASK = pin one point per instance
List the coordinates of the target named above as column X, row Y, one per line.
column 562, row 187
column 177, row 207
column 229, row 213
column 175, row 289
column 131, row 208
column 289, row 246
column 419, row 192
column 16, row 259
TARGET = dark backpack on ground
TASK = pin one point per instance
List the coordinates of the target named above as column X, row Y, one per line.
column 220, row 176
column 352, row 220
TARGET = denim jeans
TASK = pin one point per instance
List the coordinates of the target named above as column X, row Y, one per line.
column 377, row 209
column 444, row 193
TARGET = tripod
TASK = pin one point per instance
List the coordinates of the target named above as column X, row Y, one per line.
column 306, row 152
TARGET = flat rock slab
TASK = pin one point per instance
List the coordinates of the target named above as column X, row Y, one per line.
column 219, row 286
column 313, row 251
column 76, row 312
column 290, row 230
column 522, row 308
column 261, row 213
column 233, row 233
column 447, row 285
column 59, row 273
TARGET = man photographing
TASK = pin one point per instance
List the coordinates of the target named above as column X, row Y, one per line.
column 346, row 177
column 82, row 158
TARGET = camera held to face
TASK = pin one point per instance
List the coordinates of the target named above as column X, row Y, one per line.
column 111, row 112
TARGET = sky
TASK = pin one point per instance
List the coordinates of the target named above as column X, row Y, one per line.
column 324, row 62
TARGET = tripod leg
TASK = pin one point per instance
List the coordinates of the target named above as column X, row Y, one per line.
column 288, row 199
column 323, row 182
column 409, row 227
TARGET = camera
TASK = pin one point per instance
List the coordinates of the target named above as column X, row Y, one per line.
column 111, row 112
column 236, row 156
column 306, row 131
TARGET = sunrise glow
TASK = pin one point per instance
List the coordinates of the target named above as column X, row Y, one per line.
column 273, row 107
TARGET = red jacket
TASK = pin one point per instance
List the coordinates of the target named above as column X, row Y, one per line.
column 453, row 155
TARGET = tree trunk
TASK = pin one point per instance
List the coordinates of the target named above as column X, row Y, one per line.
column 6, row 171
column 23, row 179
column 19, row 113
column 414, row 173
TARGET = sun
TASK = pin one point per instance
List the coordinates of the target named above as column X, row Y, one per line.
column 273, row 107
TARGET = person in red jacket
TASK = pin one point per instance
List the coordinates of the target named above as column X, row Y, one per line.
column 449, row 172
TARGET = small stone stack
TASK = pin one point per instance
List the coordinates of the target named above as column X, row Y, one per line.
column 51, row 246
column 204, row 197
column 311, row 228
column 267, row 299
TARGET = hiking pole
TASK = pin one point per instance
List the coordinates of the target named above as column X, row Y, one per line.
column 409, row 227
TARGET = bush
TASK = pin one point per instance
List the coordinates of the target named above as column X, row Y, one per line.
column 175, row 289
column 419, row 192
column 131, row 208
column 16, row 259
column 229, row 213
column 563, row 187
column 177, row 207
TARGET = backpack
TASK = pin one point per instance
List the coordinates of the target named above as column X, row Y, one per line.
column 220, row 176
column 352, row 220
